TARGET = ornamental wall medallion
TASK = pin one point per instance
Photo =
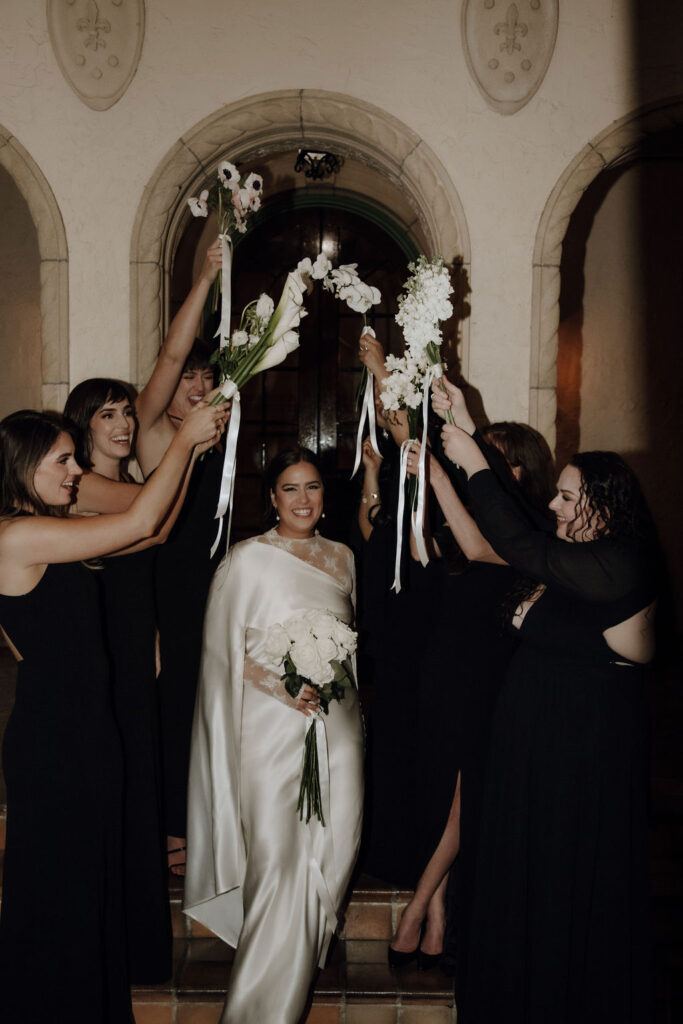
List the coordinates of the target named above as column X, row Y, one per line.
column 508, row 47
column 97, row 44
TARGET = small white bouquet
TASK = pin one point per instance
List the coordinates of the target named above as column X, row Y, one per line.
column 312, row 650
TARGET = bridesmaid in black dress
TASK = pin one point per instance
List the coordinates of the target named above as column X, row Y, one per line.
column 62, row 914
column 102, row 411
column 560, row 921
column 181, row 377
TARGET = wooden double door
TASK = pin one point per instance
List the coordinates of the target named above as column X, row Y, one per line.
column 310, row 398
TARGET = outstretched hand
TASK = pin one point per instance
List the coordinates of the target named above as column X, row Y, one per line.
column 461, row 449
column 451, row 400
column 204, row 425
column 371, row 355
column 212, row 262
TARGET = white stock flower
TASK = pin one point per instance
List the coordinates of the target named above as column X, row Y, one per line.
column 228, row 175
column 199, row 207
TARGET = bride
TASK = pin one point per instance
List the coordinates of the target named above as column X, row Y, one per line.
column 259, row 877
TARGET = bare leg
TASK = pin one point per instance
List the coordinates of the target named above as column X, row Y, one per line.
column 429, row 898
column 176, row 855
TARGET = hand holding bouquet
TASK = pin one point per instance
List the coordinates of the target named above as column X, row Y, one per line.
column 312, row 650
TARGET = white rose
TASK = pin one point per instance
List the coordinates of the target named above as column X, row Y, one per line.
column 239, row 338
column 324, row 674
column 298, row 630
column 327, row 648
column 264, row 307
column 277, row 642
column 305, row 657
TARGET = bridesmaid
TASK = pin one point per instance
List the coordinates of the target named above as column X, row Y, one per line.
column 62, row 942
column 103, row 412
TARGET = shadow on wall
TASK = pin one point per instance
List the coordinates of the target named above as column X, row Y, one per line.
column 619, row 379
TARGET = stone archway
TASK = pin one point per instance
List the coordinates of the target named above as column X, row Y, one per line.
column 615, row 145
column 54, row 282
column 276, row 122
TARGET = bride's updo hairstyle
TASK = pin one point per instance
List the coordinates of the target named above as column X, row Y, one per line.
column 25, row 439
column 276, row 467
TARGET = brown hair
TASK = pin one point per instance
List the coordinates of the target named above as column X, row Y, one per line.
column 25, row 439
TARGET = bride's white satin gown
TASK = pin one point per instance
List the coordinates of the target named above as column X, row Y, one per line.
column 256, row 875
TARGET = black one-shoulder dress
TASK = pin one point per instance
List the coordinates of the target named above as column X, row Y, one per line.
column 62, row 943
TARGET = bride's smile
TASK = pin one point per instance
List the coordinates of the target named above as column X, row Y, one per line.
column 298, row 500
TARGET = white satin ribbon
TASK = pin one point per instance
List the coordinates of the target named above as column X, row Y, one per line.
column 223, row 331
column 402, row 474
column 367, row 410
column 417, row 514
column 227, row 490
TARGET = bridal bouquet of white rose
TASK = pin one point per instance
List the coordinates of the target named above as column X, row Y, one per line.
column 312, row 650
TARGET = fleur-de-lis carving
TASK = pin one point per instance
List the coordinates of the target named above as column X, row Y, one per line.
column 93, row 25
column 512, row 27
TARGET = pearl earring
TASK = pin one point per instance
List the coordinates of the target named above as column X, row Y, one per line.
column 322, row 516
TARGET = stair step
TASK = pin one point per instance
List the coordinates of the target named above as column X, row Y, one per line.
column 357, row 987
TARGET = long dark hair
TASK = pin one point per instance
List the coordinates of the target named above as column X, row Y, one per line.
column 25, row 439
column 276, row 467
column 527, row 450
column 612, row 497
column 82, row 404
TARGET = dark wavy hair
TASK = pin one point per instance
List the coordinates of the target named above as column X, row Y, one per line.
column 199, row 357
column 276, row 467
column 82, row 404
column 612, row 496
column 527, row 450
column 25, row 439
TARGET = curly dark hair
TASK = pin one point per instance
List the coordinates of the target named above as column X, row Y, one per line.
column 612, row 496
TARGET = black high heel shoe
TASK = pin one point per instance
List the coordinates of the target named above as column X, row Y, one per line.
column 427, row 961
column 397, row 958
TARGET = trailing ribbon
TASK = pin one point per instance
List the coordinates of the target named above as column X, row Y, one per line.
column 367, row 411
column 229, row 390
column 319, row 838
column 417, row 514
column 223, row 331
column 402, row 473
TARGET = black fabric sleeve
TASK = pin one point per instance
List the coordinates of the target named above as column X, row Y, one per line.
column 599, row 570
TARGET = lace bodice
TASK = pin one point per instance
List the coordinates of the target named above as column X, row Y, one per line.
column 327, row 555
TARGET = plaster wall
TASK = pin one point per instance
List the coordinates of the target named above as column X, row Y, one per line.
column 403, row 57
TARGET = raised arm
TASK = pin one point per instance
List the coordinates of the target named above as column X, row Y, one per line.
column 372, row 356
column 154, row 427
column 28, row 543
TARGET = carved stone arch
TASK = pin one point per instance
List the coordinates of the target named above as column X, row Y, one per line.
column 54, row 279
column 265, row 124
column 615, row 145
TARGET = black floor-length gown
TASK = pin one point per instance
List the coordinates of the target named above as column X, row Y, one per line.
column 62, row 944
column 183, row 574
column 560, row 926
column 128, row 589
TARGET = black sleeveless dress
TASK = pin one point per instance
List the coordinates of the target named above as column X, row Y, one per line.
column 183, row 573
column 560, row 926
column 128, row 590
column 62, row 943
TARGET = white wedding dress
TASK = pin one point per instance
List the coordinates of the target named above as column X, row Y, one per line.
column 256, row 875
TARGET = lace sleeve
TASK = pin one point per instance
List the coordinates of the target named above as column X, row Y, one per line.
column 600, row 570
column 267, row 681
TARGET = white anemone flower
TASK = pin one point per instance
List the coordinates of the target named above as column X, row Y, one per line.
column 228, row 175
column 199, row 207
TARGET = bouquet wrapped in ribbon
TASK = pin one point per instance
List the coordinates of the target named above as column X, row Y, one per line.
column 421, row 311
column 312, row 650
